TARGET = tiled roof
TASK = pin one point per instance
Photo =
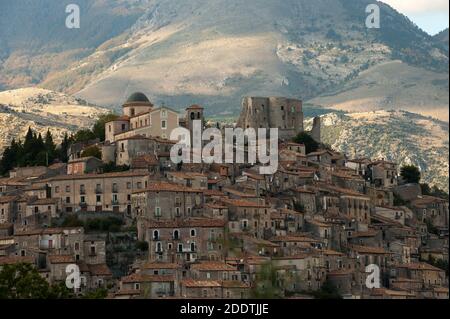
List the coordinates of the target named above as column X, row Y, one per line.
column 194, row 107
column 190, row 222
column 147, row 278
column 212, row 266
column 419, row 266
column 99, row 270
column 243, row 203
column 44, row 201
column 169, row 187
column 16, row 260
column 191, row 283
column 369, row 250
column 96, row 176
column 61, row 259
column 234, row 284
column 160, row 265
column 7, row 199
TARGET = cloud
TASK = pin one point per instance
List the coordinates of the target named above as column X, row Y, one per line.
column 419, row 6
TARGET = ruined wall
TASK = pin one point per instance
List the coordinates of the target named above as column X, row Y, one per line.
column 272, row 112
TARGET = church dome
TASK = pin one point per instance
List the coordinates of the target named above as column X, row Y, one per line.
column 138, row 97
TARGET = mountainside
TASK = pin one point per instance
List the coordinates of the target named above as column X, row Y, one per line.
column 34, row 41
column 213, row 52
column 41, row 110
column 399, row 136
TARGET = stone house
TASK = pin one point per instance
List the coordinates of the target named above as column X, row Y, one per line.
column 8, row 209
column 188, row 179
column 248, row 216
column 185, row 240
column 432, row 209
column 84, row 165
column 383, row 174
column 306, row 199
column 164, row 200
column 213, row 270
column 97, row 192
column 427, row 274
column 148, row 286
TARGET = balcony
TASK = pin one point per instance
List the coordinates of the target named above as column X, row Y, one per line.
column 82, row 192
column 115, row 202
column 98, row 191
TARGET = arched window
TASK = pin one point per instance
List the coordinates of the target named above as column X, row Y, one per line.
column 198, row 115
column 192, row 115
column 176, row 234
column 192, row 246
column 155, row 234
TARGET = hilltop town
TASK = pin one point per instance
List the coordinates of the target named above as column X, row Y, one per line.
column 146, row 227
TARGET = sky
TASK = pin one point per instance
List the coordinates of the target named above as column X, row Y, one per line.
column 430, row 15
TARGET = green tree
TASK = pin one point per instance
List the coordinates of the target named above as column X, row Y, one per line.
column 99, row 127
column 93, row 151
column 22, row 281
column 310, row 144
column 99, row 293
column 410, row 174
column 50, row 146
column 266, row 285
column 327, row 291
column 65, row 144
column 84, row 136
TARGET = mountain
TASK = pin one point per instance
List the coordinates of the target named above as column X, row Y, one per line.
column 34, row 41
column 399, row 136
column 213, row 52
column 442, row 39
column 42, row 110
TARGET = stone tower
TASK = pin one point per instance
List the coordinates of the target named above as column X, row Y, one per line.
column 315, row 132
column 272, row 112
column 194, row 113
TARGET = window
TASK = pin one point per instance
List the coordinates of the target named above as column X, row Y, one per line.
column 56, row 189
column 180, row 248
column 193, row 233
column 128, row 185
column 98, row 198
column 163, row 124
column 137, row 286
column 158, row 211
column 176, row 234
column 67, row 200
column 82, row 199
column 156, row 235
column 158, row 247
column 192, row 246
column 67, row 189
column 163, row 113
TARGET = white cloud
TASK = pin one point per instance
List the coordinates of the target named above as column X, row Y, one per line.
column 419, row 6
